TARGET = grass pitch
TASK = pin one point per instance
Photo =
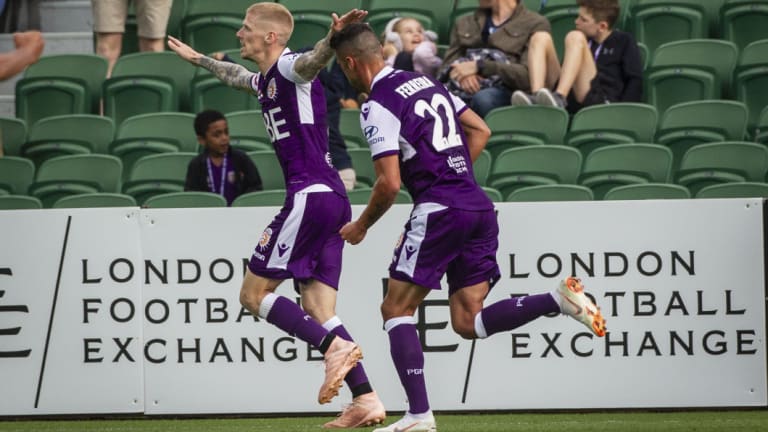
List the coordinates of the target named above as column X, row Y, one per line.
column 703, row 421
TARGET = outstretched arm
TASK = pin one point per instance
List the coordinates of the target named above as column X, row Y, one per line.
column 311, row 62
column 231, row 74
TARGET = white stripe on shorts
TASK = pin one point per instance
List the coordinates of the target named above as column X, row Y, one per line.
column 287, row 237
column 409, row 254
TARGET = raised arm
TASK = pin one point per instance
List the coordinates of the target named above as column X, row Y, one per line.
column 231, row 74
column 311, row 62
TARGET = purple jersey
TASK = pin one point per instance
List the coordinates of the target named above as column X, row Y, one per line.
column 294, row 114
column 413, row 115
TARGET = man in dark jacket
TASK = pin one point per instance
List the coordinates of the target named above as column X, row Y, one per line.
column 488, row 54
column 220, row 168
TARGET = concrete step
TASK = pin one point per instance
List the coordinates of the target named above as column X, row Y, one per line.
column 66, row 16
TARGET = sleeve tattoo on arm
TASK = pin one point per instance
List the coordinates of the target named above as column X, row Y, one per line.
column 232, row 74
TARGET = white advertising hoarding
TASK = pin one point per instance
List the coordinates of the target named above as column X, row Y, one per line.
column 65, row 286
column 147, row 317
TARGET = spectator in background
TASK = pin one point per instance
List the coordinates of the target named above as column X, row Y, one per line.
column 28, row 49
column 600, row 65
column 408, row 47
column 109, row 25
column 220, row 168
column 488, row 54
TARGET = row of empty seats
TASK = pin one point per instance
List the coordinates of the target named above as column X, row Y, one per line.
column 603, row 170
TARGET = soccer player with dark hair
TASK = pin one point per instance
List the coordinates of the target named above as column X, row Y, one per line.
column 427, row 138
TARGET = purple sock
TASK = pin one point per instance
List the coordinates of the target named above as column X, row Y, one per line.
column 405, row 348
column 356, row 378
column 505, row 315
column 289, row 317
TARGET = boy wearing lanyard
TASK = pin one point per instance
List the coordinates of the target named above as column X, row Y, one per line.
column 220, row 168
column 600, row 64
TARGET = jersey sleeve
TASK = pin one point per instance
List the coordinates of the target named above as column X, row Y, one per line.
column 381, row 129
column 458, row 104
column 286, row 64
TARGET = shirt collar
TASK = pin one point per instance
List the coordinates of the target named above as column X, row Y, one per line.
column 382, row 73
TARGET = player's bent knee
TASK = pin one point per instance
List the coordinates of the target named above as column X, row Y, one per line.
column 464, row 329
column 250, row 299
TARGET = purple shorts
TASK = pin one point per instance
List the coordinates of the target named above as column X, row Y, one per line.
column 439, row 240
column 302, row 242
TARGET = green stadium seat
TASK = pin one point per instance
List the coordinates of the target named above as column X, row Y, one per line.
column 275, row 198
column 16, row 174
column 13, row 132
column 247, row 131
column 690, row 70
column 210, row 26
column 750, row 79
column 551, row 192
column 154, row 133
column 187, row 199
column 68, row 134
column 722, row 162
column 642, row 191
column 655, row 22
column 269, row 168
column 94, row 200
column 157, row 174
column 603, row 125
column 735, row 190
column 482, row 167
column 493, row 194
column 622, row 164
column 761, row 129
column 362, row 162
column 76, row 174
column 744, row 21
column 513, row 126
column 90, row 68
column 534, row 165
column 362, row 195
column 19, row 202
column 147, row 82
column 349, row 126
column 684, row 125
column 40, row 97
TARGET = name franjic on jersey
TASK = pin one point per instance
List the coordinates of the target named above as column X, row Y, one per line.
column 458, row 163
column 413, row 86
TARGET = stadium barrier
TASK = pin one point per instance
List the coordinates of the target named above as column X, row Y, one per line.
column 136, row 311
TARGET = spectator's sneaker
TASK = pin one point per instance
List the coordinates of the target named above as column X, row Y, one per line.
column 365, row 410
column 575, row 303
column 521, row 98
column 549, row 98
column 411, row 424
column 341, row 356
